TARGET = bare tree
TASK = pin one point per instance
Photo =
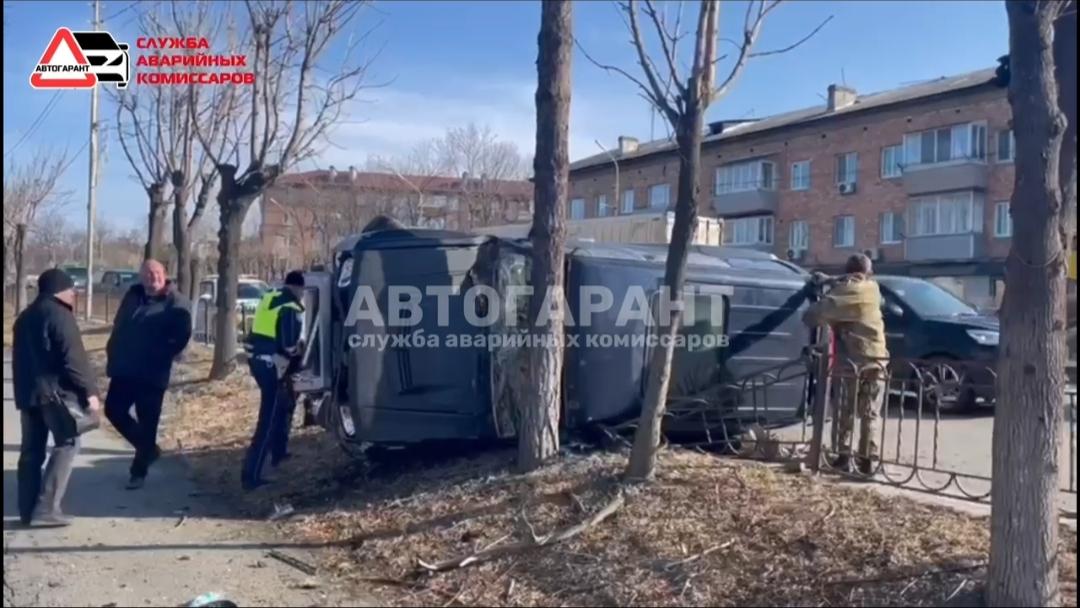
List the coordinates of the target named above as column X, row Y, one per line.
column 1031, row 382
column 288, row 112
column 683, row 103
column 538, row 435
column 419, row 170
column 29, row 191
column 156, row 131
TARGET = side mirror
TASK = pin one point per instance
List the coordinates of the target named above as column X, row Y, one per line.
column 894, row 309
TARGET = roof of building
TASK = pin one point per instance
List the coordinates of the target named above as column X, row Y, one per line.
column 871, row 101
column 390, row 182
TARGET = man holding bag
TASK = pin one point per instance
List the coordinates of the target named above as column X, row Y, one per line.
column 55, row 393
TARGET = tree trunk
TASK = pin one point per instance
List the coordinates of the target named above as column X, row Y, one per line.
column 156, row 228
column 20, row 268
column 229, row 236
column 182, row 241
column 642, row 463
column 1031, row 367
column 538, row 437
column 1065, row 74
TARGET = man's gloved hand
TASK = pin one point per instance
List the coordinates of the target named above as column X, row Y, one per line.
column 819, row 278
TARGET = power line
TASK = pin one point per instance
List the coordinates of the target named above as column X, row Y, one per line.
column 37, row 122
column 121, row 11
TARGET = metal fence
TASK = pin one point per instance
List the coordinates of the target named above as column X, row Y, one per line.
column 205, row 326
column 934, row 433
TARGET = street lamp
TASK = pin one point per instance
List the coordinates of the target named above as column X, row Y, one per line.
column 614, row 161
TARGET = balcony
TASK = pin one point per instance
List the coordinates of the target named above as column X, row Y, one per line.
column 943, row 247
column 746, row 202
column 967, row 174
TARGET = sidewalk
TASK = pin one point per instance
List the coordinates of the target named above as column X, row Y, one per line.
column 160, row 546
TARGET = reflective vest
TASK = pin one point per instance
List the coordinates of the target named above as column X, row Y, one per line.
column 266, row 317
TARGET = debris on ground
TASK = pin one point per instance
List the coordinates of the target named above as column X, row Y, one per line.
column 708, row 531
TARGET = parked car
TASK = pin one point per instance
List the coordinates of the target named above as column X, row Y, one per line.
column 117, row 282
column 927, row 323
column 78, row 276
column 250, row 291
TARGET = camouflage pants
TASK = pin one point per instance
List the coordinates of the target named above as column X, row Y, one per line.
column 860, row 397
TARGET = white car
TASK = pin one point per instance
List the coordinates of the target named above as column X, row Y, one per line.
column 109, row 60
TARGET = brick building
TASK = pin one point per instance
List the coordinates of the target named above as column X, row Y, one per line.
column 919, row 177
column 304, row 215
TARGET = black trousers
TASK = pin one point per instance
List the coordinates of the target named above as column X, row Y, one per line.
column 276, row 409
column 35, row 493
column 141, row 431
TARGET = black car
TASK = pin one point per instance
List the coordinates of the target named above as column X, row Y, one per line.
column 949, row 341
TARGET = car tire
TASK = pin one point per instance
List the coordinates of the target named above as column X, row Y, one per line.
column 949, row 391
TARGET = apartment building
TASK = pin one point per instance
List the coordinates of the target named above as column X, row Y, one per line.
column 304, row 215
column 918, row 177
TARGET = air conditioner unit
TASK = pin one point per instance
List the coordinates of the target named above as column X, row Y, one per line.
column 847, row 188
column 874, row 254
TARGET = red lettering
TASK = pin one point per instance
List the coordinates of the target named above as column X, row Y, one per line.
column 142, row 60
column 142, row 42
column 249, row 77
column 140, row 78
column 239, row 60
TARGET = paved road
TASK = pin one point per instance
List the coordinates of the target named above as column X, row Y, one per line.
column 955, row 443
column 161, row 546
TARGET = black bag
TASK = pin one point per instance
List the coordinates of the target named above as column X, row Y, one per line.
column 67, row 419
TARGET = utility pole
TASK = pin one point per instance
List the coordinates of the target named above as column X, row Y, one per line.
column 617, row 205
column 91, row 202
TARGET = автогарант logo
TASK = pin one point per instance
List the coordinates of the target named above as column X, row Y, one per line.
column 80, row 60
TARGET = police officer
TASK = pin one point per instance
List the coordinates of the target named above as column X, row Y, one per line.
column 275, row 349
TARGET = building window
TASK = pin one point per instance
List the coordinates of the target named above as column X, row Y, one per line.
column 603, row 209
column 800, row 175
column 844, row 231
column 800, row 235
column 847, row 168
column 1006, row 146
column 628, row 201
column 892, row 228
column 749, row 231
column 892, row 161
column 943, row 214
column 659, row 196
column 744, row 176
column 577, row 209
column 1002, row 220
column 958, row 142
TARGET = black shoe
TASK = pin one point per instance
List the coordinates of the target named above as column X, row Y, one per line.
column 277, row 463
column 136, row 482
column 252, row 486
column 865, row 466
column 309, row 420
column 841, row 463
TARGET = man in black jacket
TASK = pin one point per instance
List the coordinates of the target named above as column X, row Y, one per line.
column 152, row 327
column 48, row 361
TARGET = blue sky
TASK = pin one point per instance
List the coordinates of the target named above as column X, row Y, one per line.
column 450, row 63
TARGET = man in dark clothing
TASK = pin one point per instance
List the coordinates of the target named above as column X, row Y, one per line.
column 152, row 327
column 276, row 349
column 49, row 361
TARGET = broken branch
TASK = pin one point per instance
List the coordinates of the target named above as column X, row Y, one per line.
column 496, row 552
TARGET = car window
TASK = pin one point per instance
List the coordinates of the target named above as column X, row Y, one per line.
column 928, row 299
column 251, row 291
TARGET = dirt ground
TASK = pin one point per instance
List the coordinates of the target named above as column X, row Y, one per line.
column 708, row 532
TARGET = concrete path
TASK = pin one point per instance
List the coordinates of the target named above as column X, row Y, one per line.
column 160, row 546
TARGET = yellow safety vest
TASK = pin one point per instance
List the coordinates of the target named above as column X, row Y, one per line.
column 265, row 323
column 1072, row 265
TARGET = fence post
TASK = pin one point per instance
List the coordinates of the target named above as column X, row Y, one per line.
column 821, row 396
column 206, row 323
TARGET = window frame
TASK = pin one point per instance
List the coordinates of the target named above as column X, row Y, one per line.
column 580, row 204
column 764, row 225
column 976, row 144
column 792, row 244
column 842, row 161
column 666, row 189
column 800, row 187
column 744, row 176
column 999, row 216
column 836, row 225
column 624, row 209
column 975, row 217
column 897, row 162
column 603, row 208
column 1012, row 146
column 896, row 236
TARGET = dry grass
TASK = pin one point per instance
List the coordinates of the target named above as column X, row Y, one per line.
column 707, row 532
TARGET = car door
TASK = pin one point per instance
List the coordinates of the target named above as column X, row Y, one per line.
column 898, row 321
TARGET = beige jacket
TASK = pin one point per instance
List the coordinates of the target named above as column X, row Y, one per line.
column 853, row 309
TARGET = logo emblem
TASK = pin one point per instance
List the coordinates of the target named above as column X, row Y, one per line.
column 80, row 60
